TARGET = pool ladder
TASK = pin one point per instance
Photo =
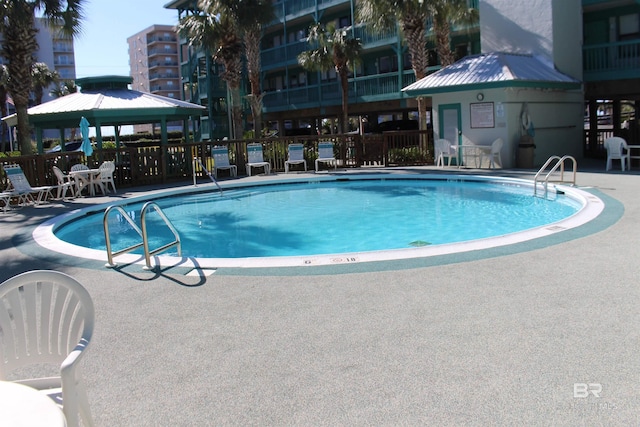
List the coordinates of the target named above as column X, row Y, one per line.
column 142, row 232
column 559, row 163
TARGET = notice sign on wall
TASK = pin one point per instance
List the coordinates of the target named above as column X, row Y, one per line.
column 482, row 115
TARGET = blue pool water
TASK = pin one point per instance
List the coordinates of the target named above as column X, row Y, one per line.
column 330, row 217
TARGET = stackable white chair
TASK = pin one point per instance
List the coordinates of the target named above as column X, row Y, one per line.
column 443, row 150
column 47, row 319
column 617, row 149
column 106, row 175
column 494, row 154
column 325, row 155
column 255, row 159
column 65, row 183
column 221, row 161
column 295, row 157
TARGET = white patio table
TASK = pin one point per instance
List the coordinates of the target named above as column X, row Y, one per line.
column 471, row 151
column 21, row 405
column 89, row 176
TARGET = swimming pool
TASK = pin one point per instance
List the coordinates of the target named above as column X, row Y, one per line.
column 337, row 219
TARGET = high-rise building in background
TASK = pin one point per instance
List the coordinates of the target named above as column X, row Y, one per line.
column 153, row 61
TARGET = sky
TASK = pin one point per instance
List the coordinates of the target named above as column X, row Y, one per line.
column 101, row 49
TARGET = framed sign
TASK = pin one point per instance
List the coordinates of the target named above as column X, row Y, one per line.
column 482, row 115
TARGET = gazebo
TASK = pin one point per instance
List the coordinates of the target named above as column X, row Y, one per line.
column 108, row 101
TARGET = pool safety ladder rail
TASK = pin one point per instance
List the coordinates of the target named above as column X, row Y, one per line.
column 141, row 232
column 196, row 160
column 559, row 163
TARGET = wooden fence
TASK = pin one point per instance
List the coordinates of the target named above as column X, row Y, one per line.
column 158, row 164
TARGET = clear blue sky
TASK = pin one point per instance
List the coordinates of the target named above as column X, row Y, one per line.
column 102, row 48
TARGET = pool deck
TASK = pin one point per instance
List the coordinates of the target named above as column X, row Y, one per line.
column 511, row 339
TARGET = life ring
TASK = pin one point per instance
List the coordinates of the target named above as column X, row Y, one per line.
column 526, row 120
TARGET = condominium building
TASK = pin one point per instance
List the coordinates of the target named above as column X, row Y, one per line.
column 153, row 61
column 596, row 42
column 56, row 50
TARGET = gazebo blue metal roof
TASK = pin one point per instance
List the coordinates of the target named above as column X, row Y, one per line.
column 493, row 70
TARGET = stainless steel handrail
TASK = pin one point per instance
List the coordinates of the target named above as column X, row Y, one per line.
column 142, row 232
column 559, row 164
column 197, row 159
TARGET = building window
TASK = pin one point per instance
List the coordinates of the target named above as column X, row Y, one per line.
column 344, row 21
column 171, row 95
column 629, row 27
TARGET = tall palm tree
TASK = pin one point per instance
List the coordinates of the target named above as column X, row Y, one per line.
column 18, row 28
column 42, row 77
column 411, row 16
column 252, row 16
column 334, row 48
column 213, row 27
column 445, row 14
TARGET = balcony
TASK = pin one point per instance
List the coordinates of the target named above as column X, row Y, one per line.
column 361, row 89
column 612, row 61
column 283, row 55
column 295, row 8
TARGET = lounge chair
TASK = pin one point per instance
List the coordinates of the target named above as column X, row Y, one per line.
column 617, row 149
column 5, row 198
column 444, row 150
column 65, row 183
column 21, row 188
column 325, row 155
column 296, row 157
column 47, row 318
column 221, row 161
column 255, row 159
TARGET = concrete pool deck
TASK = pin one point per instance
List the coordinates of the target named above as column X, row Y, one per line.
column 517, row 338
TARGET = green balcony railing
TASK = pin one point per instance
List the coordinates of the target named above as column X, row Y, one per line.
column 611, row 61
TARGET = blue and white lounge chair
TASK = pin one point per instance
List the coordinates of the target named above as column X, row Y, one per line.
column 221, row 161
column 21, row 188
column 296, row 157
column 325, row 155
column 255, row 159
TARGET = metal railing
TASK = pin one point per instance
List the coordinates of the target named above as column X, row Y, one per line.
column 547, row 178
column 142, row 232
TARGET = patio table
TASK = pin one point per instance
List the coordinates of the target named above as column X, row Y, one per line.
column 21, row 405
column 474, row 151
column 89, row 176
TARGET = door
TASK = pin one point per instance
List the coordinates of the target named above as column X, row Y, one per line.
column 450, row 124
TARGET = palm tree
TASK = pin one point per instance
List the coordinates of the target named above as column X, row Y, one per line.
column 213, row 27
column 252, row 16
column 42, row 77
column 335, row 48
column 65, row 88
column 446, row 13
column 18, row 28
column 4, row 81
column 411, row 16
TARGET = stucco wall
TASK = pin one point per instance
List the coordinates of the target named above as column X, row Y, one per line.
column 549, row 28
column 556, row 116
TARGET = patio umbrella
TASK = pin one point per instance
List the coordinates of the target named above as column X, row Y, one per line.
column 86, row 144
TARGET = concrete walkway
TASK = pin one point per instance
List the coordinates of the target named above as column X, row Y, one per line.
column 518, row 339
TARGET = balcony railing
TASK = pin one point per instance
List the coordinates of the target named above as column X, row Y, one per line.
column 612, row 61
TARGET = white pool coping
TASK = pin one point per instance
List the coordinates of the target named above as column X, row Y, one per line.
column 592, row 207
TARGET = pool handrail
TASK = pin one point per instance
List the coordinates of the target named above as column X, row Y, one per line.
column 559, row 163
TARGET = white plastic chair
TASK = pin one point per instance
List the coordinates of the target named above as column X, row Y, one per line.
column 494, row 154
column 325, row 155
column 47, row 318
column 295, row 157
column 65, row 183
column 106, row 175
column 255, row 158
column 617, row 149
column 21, row 188
column 221, row 161
column 443, row 149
